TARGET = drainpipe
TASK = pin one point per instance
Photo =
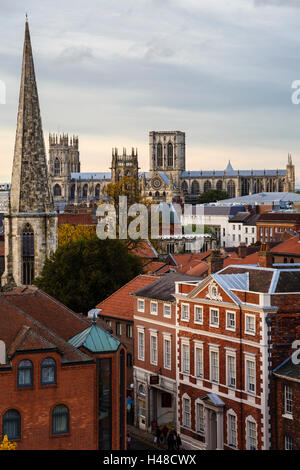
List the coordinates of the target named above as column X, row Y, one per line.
column 269, row 323
column 241, row 382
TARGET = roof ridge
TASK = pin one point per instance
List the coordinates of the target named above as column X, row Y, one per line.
column 40, row 325
column 120, row 288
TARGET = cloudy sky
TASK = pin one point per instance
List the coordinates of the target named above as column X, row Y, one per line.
column 113, row 70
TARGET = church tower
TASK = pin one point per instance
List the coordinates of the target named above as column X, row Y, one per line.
column 290, row 175
column 31, row 223
column 63, row 160
column 167, row 154
column 125, row 164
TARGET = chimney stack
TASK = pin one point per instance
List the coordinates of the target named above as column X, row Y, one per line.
column 265, row 256
column 215, row 262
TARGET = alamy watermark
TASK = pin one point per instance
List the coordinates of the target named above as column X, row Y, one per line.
column 155, row 221
column 296, row 354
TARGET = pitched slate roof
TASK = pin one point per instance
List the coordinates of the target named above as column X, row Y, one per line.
column 164, row 287
column 288, row 369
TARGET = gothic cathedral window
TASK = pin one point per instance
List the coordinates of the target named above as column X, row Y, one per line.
column 159, row 155
column 28, row 255
column 57, row 167
column 170, row 154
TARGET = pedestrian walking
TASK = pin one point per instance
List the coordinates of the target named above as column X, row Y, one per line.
column 165, row 433
column 178, row 442
column 171, row 440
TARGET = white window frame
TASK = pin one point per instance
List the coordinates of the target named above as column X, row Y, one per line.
column 199, row 429
column 230, row 383
column 250, row 420
column 250, row 359
column 228, row 327
column 200, row 308
column 187, row 317
column 198, row 347
column 140, row 309
column 288, row 401
column 153, row 357
column 232, row 435
column 170, row 307
column 167, row 338
column 214, row 350
column 153, row 312
column 185, row 361
column 186, row 413
column 288, row 442
column 141, row 357
column 214, row 325
column 253, row 317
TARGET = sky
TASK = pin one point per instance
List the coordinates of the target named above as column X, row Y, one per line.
column 111, row 71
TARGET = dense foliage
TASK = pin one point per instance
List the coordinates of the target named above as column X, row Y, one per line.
column 213, row 195
column 81, row 274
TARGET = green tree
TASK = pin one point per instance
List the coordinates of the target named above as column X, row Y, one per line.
column 213, row 195
column 81, row 274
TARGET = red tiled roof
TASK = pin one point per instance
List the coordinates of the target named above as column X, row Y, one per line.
column 144, row 249
column 120, row 304
column 199, row 269
column 75, row 219
column 32, row 320
column 154, row 267
column 291, row 246
column 250, row 259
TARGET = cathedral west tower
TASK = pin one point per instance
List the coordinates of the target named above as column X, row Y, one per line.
column 31, row 223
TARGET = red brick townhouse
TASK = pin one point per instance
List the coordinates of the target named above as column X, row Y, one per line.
column 232, row 328
column 272, row 225
column 116, row 315
column 155, row 352
column 286, row 404
column 62, row 377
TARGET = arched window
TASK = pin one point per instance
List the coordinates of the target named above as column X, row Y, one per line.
column 156, row 194
column 292, row 260
column 85, row 191
column 57, row 167
column 251, row 433
column 231, row 188
column 170, row 154
column 280, row 186
column 207, row 186
column 60, row 419
column 57, row 190
column 97, row 191
column 72, row 192
column 184, row 187
column 245, row 186
column 219, row 185
column 11, row 425
column 285, row 260
column 159, row 159
column 48, row 371
column 195, row 187
column 25, row 373
column 28, row 255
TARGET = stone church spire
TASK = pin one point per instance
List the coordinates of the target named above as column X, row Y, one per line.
column 31, row 223
column 30, row 191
